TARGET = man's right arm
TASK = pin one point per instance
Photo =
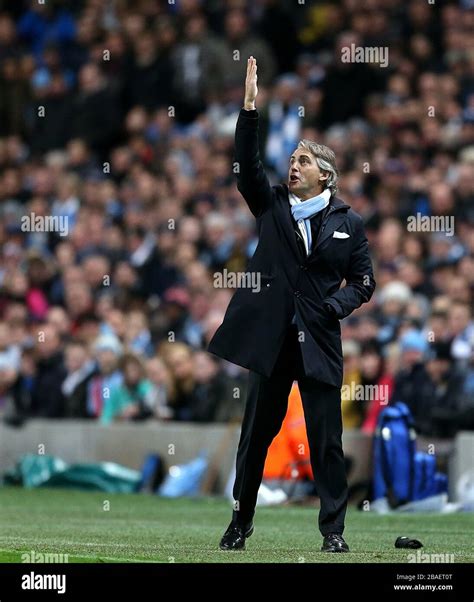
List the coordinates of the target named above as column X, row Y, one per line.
column 252, row 181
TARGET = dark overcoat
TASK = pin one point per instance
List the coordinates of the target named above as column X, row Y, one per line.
column 255, row 323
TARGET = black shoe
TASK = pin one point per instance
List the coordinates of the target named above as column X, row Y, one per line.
column 235, row 536
column 334, row 542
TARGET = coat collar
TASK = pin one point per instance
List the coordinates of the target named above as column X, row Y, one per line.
column 337, row 210
column 338, row 203
column 334, row 201
column 334, row 218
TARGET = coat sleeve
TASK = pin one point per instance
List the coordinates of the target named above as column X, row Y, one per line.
column 252, row 181
column 360, row 282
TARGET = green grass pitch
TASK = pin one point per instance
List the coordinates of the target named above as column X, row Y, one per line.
column 143, row 528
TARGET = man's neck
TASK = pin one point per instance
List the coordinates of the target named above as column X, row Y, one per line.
column 309, row 195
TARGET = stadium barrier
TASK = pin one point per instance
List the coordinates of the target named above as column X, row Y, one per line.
column 127, row 444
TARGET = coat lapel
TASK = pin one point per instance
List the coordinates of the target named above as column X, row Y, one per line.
column 333, row 221
column 288, row 224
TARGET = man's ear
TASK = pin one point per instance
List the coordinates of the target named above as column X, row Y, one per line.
column 324, row 176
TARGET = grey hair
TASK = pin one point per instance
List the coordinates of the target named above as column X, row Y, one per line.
column 326, row 160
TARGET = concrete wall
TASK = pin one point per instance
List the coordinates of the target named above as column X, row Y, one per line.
column 128, row 443
column 461, row 462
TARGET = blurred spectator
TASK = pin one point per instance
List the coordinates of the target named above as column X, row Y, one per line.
column 215, row 398
column 58, row 317
column 94, row 112
column 151, row 69
column 352, row 410
column 47, row 399
column 198, row 71
column 180, row 360
column 10, row 402
column 284, row 124
column 240, row 38
column 108, row 377
column 461, row 328
column 9, row 354
column 42, row 24
column 394, row 298
column 158, row 400
column 127, row 401
column 79, row 368
column 442, row 403
column 375, row 377
column 137, row 336
column 348, row 83
column 412, row 378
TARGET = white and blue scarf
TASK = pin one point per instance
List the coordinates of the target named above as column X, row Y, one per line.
column 303, row 211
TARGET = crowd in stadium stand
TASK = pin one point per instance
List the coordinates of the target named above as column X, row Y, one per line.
column 120, row 116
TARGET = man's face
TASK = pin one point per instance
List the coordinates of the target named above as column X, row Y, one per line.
column 305, row 179
column 107, row 361
column 438, row 369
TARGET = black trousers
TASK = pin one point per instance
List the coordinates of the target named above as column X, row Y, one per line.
column 266, row 406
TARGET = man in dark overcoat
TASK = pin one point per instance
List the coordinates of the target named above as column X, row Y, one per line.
column 287, row 327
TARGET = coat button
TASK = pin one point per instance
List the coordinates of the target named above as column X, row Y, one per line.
column 297, row 293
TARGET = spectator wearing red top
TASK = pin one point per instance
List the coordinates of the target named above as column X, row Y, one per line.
column 373, row 372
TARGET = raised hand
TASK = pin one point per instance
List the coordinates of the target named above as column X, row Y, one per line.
column 251, row 89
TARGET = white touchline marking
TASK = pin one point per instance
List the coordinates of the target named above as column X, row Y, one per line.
column 82, row 556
